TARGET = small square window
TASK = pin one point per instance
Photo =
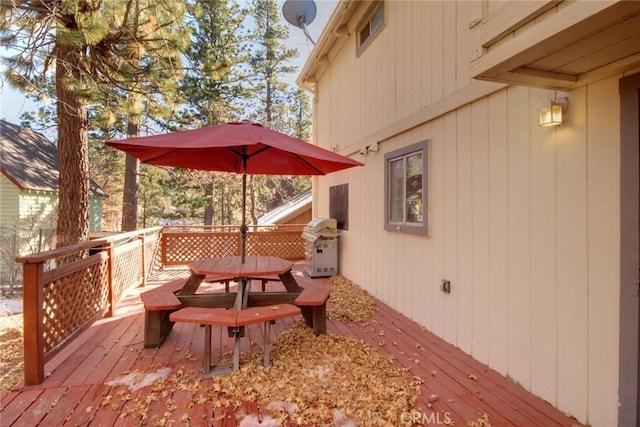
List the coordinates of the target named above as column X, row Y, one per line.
column 405, row 179
column 370, row 26
column 339, row 205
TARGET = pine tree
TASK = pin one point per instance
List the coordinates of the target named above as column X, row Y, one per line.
column 211, row 85
column 270, row 61
column 212, row 81
column 93, row 49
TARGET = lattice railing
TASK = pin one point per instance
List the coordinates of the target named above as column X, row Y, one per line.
column 87, row 279
column 128, row 269
column 71, row 301
column 183, row 245
column 85, row 283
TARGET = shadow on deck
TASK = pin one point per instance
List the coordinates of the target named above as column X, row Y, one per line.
column 456, row 388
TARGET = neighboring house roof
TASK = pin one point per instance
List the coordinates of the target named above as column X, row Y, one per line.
column 30, row 160
column 287, row 210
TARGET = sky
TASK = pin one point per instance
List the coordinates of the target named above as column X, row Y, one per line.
column 13, row 104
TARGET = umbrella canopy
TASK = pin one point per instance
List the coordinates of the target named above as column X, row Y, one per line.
column 241, row 147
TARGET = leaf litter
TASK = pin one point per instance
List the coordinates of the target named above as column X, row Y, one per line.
column 324, row 380
column 312, row 380
column 350, row 301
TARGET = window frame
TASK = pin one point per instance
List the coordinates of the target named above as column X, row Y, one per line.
column 404, row 226
column 361, row 45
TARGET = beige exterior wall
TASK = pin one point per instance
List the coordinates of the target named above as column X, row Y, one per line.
column 524, row 220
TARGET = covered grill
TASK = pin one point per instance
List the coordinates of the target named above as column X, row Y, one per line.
column 321, row 247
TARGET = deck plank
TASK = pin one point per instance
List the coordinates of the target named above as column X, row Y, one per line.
column 75, row 392
column 15, row 404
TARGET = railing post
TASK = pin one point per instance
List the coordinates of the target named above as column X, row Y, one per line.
column 110, row 279
column 163, row 245
column 33, row 291
column 143, row 258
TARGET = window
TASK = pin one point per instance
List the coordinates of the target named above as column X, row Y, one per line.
column 370, row 26
column 339, row 205
column 405, row 178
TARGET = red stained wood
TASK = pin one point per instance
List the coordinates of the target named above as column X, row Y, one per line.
column 234, row 267
column 205, row 316
column 114, row 347
column 159, row 300
column 313, row 295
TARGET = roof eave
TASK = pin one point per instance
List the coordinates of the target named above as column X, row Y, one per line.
column 335, row 31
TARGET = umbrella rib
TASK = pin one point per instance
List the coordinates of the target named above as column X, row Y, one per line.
column 303, row 160
column 312, row 166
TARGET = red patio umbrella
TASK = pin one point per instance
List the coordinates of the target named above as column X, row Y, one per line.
column 242, row 147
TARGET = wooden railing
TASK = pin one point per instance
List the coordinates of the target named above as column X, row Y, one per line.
column 62, row 297
column 184, row 244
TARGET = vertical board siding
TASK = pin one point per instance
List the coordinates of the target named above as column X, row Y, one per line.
column 571, row 218
column 523, row 220
column 603, row 219
column 436, row 41
column 449, row 36
column 437, row 237
column 498, row 234
column 480, row 228
column 465, row 231
column 543, row 254
column 518, row 225
column 450, row 219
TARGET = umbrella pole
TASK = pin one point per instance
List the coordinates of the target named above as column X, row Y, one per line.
column 243, row 227
column 243, row 288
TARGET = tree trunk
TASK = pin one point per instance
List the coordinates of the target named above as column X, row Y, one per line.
column 73, row 143
column 252, row 196
column 131, row 181
column 208, row 193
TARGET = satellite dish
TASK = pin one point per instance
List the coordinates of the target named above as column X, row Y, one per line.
column 300, row 13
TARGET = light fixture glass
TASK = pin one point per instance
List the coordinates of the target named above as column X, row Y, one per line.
column 551, row 115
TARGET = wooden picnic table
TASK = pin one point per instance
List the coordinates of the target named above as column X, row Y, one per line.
column 253, row 267
column 161, row 302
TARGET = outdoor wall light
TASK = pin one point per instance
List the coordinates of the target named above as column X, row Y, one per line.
column 551, row 115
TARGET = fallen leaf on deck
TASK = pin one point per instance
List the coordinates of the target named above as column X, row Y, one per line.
column 350, row 301
column 482, row 421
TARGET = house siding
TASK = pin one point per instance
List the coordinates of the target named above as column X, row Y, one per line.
column 95, row 214
column 9, row 194
column 523, row 220
column 37, row 207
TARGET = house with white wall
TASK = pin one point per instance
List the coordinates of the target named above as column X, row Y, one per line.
column 516, row 242
column 29, row 181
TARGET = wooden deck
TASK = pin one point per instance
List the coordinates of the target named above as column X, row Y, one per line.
column 76, row 391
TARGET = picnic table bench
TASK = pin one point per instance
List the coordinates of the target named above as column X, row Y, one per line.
column 234, row 319
column 312, row 300
column 160, row 302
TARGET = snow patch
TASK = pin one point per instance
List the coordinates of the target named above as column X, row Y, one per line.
column 340, row 420
column 291, row 408
column 251, row 421
column 137, row 380
column 319, row 371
